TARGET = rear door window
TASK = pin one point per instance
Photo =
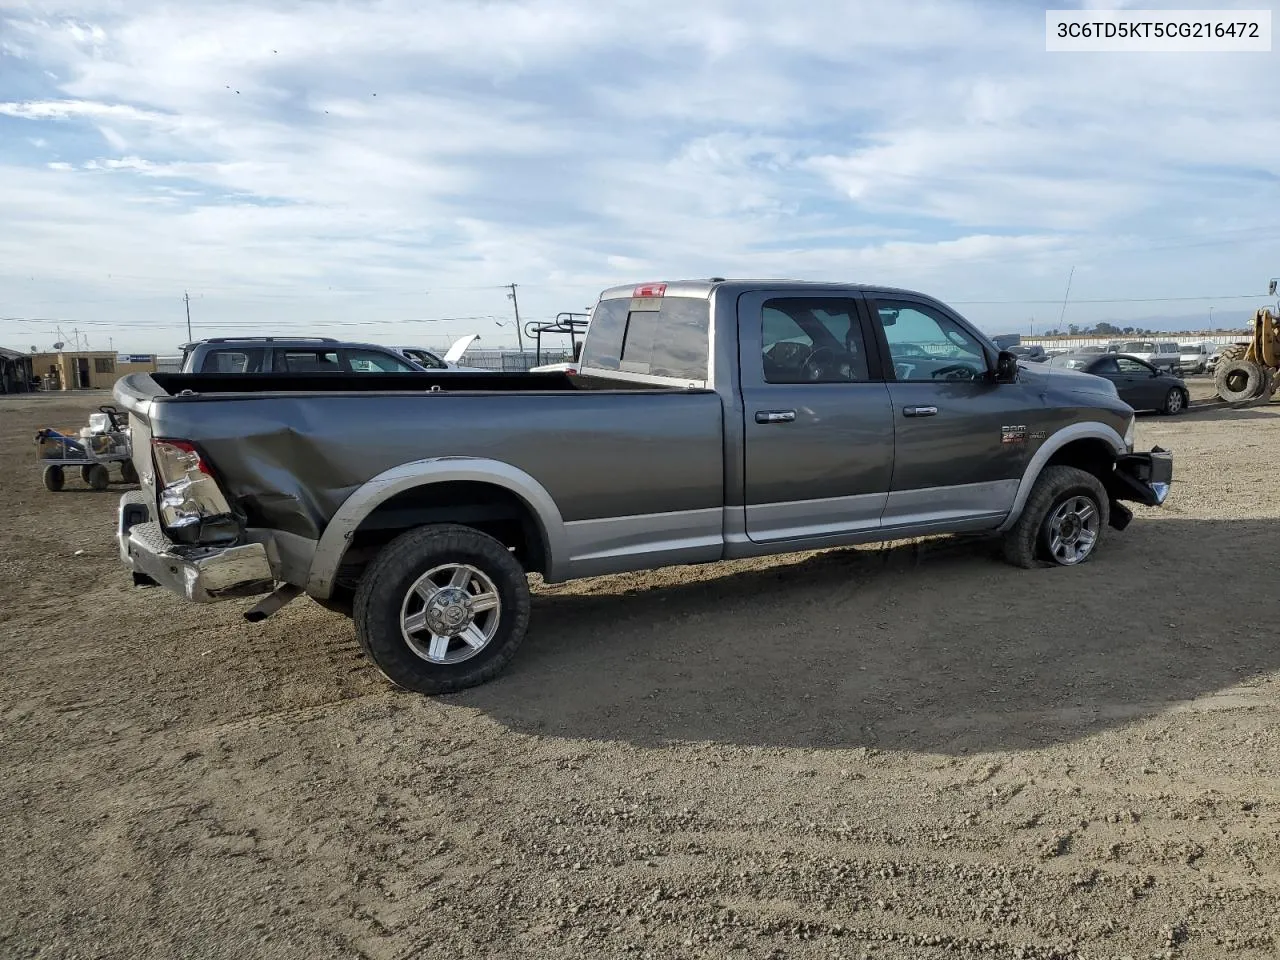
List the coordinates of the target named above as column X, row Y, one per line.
column 670, row 341
column 373, row 361
column 306, row 360
column 233, row 360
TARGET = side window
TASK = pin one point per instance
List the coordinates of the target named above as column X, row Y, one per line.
column 927, row 346
column 1105, row 367
column 307, row 361
column 810, row 340
column 233, row 360
column 427, row 359
column 1132, row 367
column 371, row 361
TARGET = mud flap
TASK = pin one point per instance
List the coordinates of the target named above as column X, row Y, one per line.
column 1120, row 515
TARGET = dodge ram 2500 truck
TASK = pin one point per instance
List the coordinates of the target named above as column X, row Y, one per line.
column 709, row 419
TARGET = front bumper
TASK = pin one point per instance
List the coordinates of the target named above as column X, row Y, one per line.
column 201, row 574
column 1143, row 477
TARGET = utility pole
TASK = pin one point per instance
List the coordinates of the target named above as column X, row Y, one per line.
column 516, row 303
column 186, row 298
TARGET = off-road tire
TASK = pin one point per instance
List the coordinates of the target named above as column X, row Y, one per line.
column 128, row 472
column 1025, row 543
column 1176, row 401
column 398, row 566
column 1239, row 380
column 54, row 479
column 97, row 477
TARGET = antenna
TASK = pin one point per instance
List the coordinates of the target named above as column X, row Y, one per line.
column 1065, row 296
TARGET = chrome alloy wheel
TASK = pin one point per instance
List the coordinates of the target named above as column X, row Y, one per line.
column 1073, row 530
column 450, row 613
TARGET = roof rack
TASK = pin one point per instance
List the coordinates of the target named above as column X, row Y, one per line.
column 266, row 339
column 574, row 324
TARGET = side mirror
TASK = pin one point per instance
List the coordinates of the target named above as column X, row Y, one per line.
column 1006, row 367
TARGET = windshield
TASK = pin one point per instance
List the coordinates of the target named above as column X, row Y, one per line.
column 1138, row 346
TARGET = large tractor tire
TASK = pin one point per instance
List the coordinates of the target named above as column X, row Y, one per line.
column 1239, row 381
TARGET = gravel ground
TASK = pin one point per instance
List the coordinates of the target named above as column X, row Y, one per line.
column 913, row 751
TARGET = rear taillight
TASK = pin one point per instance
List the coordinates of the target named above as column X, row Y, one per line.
column 193, row 508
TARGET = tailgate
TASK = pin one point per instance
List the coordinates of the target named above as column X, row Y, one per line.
column 134, row 395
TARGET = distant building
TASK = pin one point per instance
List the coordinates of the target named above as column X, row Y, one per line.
column 87, row 369
column 15, row 371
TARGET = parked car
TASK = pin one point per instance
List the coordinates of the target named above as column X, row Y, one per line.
column 1194, row 357
column 251, row 355
column 1164, row 354
column 1140, row 384
column 710, row 420
column 1034, row 353
column 430, row 360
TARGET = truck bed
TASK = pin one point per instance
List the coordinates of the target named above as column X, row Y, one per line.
column 175, row 383
column 289, row 449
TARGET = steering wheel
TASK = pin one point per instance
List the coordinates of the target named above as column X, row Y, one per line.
column 118, row 421
column 957, row 371
column 791, row 357
column 815, row 369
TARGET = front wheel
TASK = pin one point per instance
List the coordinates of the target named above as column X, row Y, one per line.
column 442, row 608
column 1174, row 403
column 1062, row 522
column 54, row 478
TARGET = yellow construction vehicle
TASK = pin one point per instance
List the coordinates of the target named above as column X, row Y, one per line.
column 1249, row 374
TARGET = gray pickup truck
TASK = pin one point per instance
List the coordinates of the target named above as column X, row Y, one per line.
column 708, row 420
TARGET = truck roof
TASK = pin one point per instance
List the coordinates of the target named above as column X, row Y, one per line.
column 704, row 288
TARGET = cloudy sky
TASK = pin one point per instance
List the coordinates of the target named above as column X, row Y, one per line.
column 361, row 169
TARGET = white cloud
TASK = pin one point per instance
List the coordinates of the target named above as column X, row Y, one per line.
column 280, row 158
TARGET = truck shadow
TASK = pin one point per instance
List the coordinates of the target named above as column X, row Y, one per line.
column 935, row 647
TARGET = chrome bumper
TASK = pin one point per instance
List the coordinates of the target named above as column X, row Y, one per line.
column 201, row 574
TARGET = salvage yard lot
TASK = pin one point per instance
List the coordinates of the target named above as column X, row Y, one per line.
column 914, row 751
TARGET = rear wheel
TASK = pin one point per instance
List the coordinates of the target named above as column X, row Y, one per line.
column 1063, row 520
column 54, row 478
column 97, row 476
column 442, row 608
column 128, row 472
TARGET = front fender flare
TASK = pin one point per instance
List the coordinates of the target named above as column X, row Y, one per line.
column 366, row 498
column 1087, row 430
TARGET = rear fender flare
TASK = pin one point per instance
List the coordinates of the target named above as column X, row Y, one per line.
column 337, row 535
column 1077, row 431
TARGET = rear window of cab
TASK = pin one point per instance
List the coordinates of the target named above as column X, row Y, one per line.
column 657, row 337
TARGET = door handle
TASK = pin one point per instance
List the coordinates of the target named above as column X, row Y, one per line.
column 775, row 416
column 919, row 411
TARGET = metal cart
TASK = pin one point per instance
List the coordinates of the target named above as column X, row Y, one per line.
column 106, row 442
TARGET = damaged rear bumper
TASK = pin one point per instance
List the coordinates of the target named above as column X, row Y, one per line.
column 200, row 574
column 1140, row 478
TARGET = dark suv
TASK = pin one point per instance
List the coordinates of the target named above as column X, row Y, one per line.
column 291, row 355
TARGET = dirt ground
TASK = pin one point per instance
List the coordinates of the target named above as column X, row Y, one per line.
column 904, row 752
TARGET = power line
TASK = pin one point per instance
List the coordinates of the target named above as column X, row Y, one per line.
column 1230, row 296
